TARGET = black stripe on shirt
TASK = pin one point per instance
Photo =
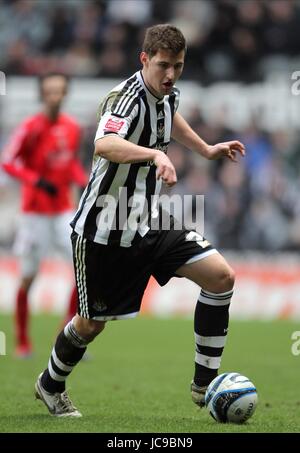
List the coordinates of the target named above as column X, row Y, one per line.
column 90, row 225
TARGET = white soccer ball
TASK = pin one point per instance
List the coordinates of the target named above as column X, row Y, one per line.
column 231, row 397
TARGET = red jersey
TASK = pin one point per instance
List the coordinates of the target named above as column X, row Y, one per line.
column 41, row 148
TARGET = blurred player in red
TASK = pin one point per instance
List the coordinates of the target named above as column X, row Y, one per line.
column 42, row 154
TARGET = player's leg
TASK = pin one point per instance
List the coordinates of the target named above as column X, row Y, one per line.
column 67, row 352
column 70, row 346
column 110, row 284
column 30, row 246
column 188, row 254
column 72, row 341
column 21, row 319
column 216, row 278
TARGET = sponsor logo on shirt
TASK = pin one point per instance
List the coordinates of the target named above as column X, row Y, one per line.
column 113, row 125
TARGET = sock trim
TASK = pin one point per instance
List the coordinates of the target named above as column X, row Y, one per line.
column 53, row 374
column 74, row 337
column 216, row 295
column 59, row 363
column 215, row 299
column 212, row 342
column 208, row 362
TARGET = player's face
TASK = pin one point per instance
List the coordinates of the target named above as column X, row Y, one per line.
column 53, row 92
column 162, row 70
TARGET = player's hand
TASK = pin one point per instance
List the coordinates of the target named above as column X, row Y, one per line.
column 226, row 149
column 47, row 186
column 165, row 169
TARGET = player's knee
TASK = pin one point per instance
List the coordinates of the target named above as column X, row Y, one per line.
column 221, row 281
column 88, row 328
column 226, row 279
column 94, row 328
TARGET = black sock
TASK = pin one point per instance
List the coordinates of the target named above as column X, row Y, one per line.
column 67, row 352
column 210, row 326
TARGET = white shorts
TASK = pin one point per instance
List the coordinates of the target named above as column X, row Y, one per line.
column 40, row 234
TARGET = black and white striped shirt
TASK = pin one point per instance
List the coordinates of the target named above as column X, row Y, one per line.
column 132, row 112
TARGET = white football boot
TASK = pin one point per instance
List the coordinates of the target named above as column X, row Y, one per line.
column 58, row 404
column 198, row 394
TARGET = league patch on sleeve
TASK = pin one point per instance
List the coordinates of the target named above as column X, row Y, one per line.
column 113, row 124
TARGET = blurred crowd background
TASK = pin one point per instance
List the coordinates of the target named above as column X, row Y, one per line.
column 251, row 205
column 227, row 39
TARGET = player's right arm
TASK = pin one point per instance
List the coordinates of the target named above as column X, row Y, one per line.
column 14, row 155
column 13, row 160
column 111, row 145
column 116, row 149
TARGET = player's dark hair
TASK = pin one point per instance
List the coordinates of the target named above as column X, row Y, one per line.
column 163, row 37
column 48, row 75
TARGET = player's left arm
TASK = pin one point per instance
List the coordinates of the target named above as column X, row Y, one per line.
column 13, row 157
column 184, row 134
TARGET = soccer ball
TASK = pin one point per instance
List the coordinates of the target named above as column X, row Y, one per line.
column 231, row 397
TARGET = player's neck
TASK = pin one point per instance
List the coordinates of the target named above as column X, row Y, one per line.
column 51, row 114
column 149, row 87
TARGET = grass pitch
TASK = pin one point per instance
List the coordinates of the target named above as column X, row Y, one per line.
column 139, row 376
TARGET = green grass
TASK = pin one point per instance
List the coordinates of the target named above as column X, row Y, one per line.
column 139, row 375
